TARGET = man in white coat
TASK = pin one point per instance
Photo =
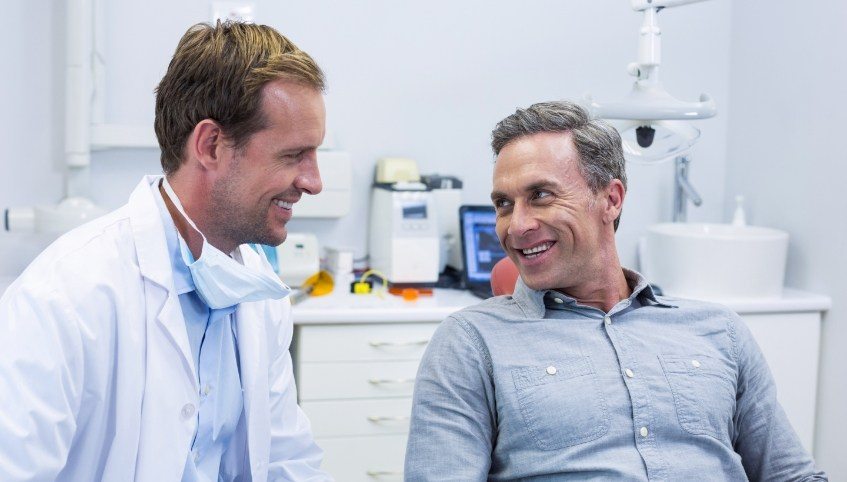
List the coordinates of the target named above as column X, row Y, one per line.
column 152, row 344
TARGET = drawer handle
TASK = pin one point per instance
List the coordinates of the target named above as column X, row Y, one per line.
column 382, row 418
column 390, row 381
column 381, row 473
column 380, row 344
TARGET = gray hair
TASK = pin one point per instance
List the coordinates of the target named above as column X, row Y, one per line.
column 598, row 144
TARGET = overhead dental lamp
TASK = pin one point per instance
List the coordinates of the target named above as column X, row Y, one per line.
column 653, row 124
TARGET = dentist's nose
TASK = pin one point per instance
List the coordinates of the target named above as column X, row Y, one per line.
column 308, row 180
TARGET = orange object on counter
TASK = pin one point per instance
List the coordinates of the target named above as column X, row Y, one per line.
column 410, row 294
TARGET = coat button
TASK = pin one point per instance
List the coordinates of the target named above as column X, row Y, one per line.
column 551, row 370
column 187, row 410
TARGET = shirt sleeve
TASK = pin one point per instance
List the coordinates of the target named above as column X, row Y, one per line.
column 294, row 456
column 770, row 449
column 453, row 413
column 40, row 383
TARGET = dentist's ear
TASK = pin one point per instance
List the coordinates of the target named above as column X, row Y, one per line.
column 614, row 196
column 205, row 144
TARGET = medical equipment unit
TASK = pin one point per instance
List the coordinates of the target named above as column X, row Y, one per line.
column 447, row 191
column 404, row 243
column 298, row 258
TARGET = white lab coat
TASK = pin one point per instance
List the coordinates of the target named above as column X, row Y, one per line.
column 97, row 381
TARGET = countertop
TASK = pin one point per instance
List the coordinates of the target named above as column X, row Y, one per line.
column 347, row 308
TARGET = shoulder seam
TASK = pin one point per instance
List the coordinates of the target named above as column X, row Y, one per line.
column 477, row 343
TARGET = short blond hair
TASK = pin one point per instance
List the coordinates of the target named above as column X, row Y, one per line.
column 218, row 72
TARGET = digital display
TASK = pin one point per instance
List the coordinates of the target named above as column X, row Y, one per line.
column 482, row 247
column 414, row 211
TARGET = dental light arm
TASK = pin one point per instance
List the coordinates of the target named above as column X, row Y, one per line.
column 649, row 113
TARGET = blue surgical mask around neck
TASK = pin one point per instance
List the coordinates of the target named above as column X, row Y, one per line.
column 220, row 280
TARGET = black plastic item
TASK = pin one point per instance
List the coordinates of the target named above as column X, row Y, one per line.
column 437, row 181
column 644, row 135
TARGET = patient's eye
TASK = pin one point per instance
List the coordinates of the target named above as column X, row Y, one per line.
column 541, row 194
column 501, row 203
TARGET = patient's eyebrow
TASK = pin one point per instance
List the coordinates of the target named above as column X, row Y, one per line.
column 541, row 185
column 495, row 195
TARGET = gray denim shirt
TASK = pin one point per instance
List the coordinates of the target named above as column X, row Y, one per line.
column 536, row 386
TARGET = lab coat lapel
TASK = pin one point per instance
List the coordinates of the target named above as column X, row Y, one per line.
column 253, row 355
column 154, row 263
column 170, row 392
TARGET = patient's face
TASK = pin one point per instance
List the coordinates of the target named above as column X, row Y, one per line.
column 546, row 221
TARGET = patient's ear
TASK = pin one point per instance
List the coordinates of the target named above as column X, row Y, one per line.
column 614, row 195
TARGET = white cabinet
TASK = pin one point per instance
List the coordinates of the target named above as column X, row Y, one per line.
column 790, row 343
column 355, row 384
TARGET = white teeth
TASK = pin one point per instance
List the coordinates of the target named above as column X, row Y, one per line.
column 283, row 204
column 531, row 252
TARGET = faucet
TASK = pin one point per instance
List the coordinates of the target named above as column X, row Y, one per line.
column 683, row 191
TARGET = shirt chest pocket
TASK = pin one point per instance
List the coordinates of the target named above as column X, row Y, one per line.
column 704, row 394
column 561, row 403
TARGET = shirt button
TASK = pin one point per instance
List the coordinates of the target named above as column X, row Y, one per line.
column 695, row 363
column 207, row 389
column 629, row 373
column 187, row 411
column 551, row 370
column 643, row 431
column 608, row 319
column 558, row 300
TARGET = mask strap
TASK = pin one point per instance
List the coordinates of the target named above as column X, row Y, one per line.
column 174, row 199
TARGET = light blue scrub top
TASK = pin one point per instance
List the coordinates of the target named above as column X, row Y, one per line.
column 211, row 334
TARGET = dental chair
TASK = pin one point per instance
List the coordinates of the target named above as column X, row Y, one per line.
column 504, row 275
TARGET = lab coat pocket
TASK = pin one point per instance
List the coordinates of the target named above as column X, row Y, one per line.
column 561, row 402
column 704, row 393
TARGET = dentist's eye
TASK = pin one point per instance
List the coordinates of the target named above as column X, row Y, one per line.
column 541, row 194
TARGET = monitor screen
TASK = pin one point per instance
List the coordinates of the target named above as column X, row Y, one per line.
column 480, row 245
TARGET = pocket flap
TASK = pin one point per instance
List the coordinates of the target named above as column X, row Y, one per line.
column 554, row 372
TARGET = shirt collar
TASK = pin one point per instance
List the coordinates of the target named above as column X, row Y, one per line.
column 534, row 303
column 183, row 283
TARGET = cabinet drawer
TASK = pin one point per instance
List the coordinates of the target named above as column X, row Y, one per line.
column 364, row 459
column 358, row 417
column 370, row 342
column 331, row 381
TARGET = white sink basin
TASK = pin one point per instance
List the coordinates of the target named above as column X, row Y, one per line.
column 715, row 261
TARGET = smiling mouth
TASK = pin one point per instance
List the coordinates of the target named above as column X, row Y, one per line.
column 284, row 204
column 536, row 251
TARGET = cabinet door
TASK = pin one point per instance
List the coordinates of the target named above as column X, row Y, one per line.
column 364, row 459
column 347, row 418
column 352, row 380
column 790, row 343
column 363, row 342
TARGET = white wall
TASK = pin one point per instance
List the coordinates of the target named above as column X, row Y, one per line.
column 424, row 79
column 788, row 106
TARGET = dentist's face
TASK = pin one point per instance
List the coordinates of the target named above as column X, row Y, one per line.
column 255, row 198
column 545, row 216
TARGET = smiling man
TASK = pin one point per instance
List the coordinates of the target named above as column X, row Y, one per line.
column 152, row 343
column 584, row 373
